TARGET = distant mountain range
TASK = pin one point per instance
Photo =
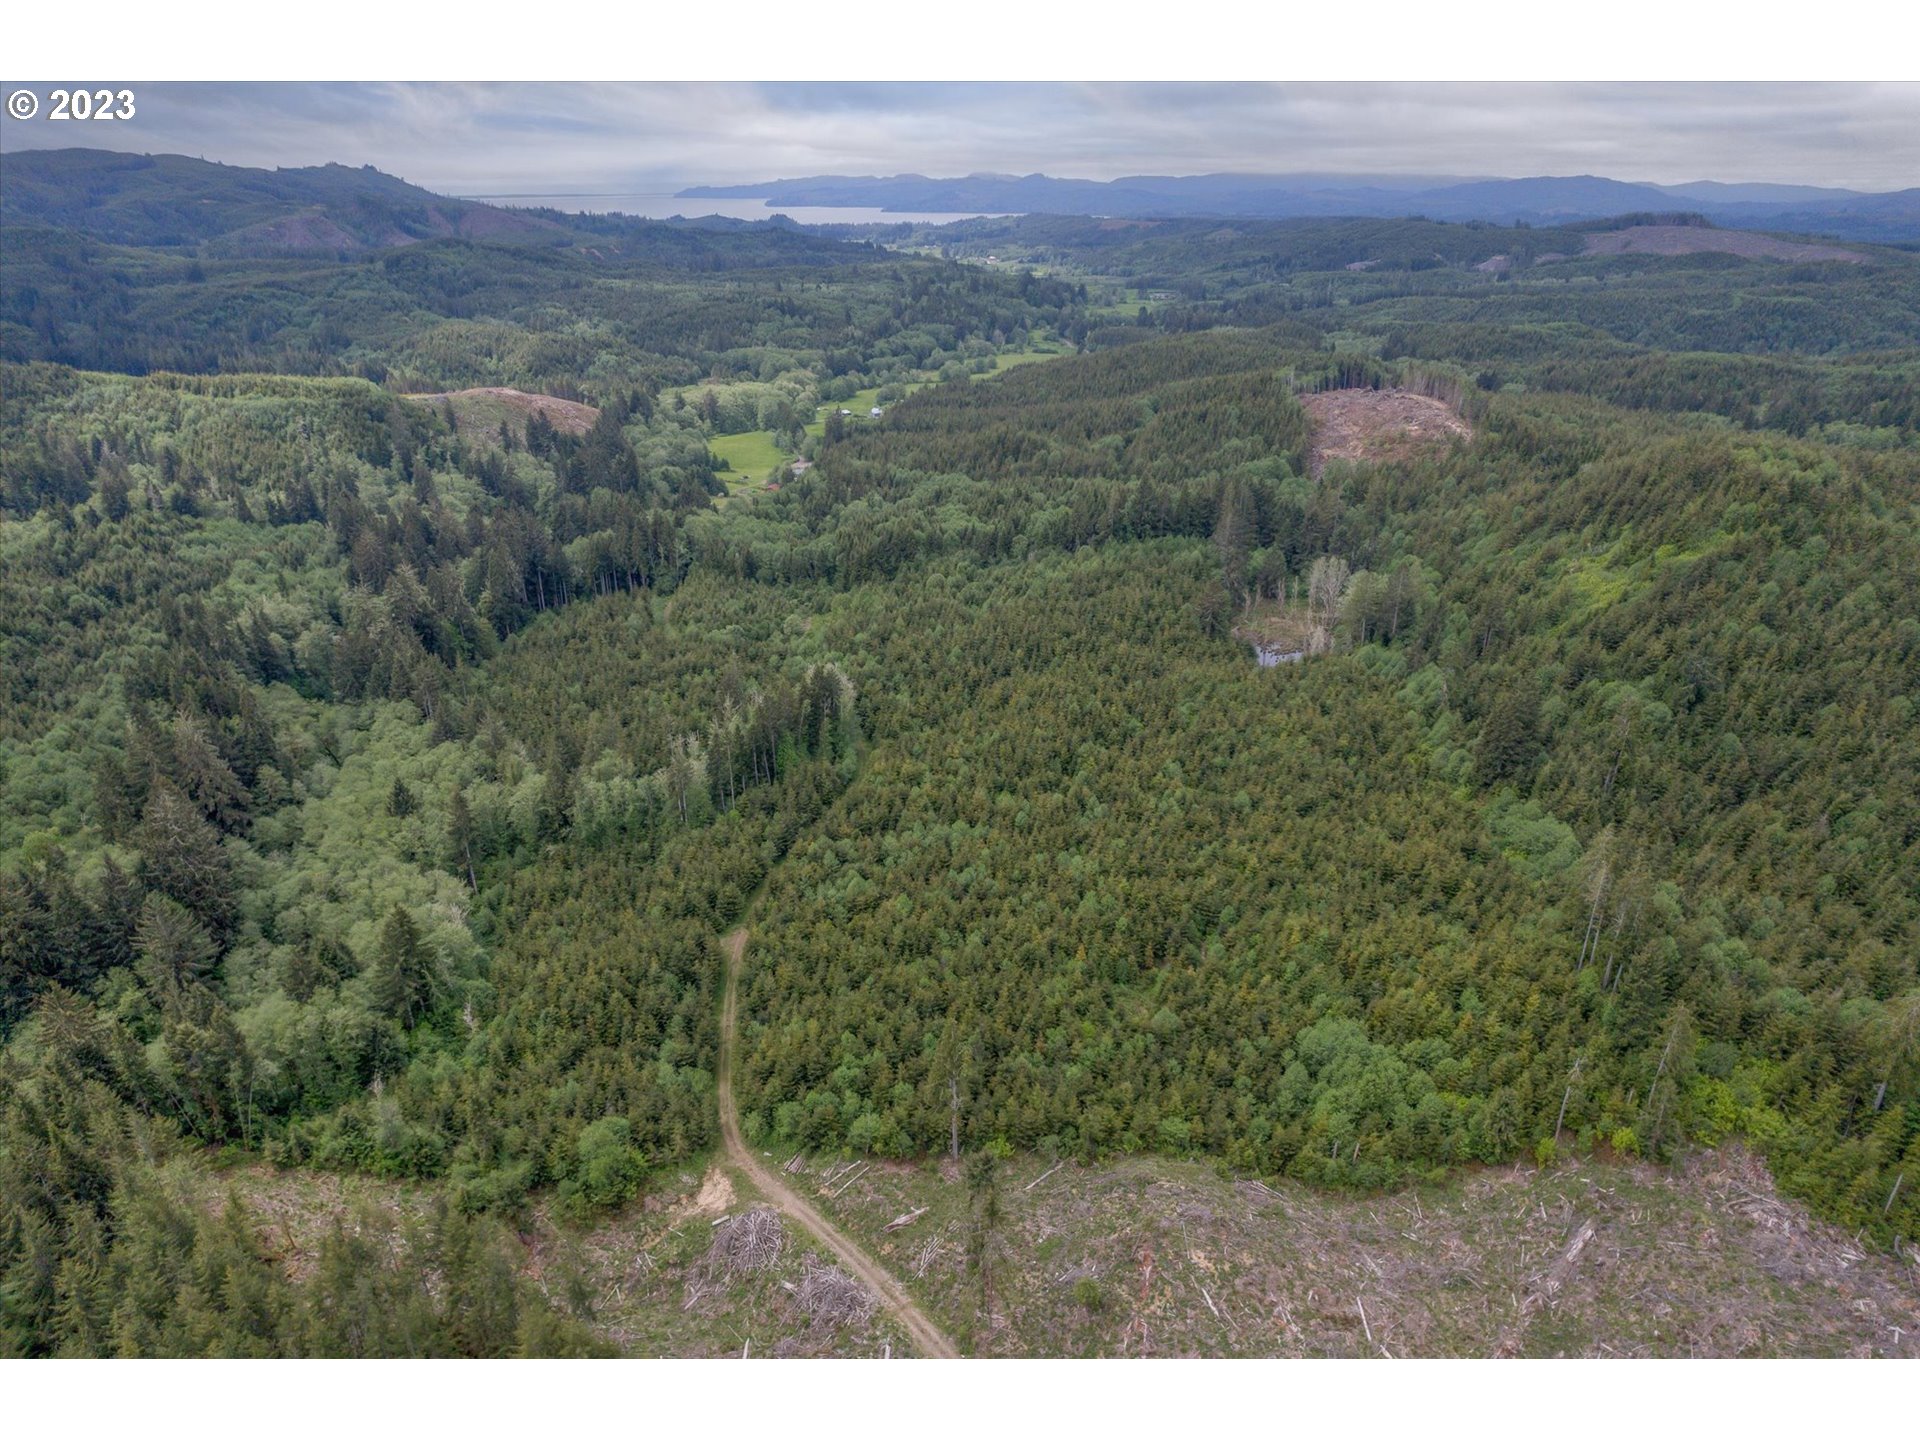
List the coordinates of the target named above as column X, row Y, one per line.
column 179, row 202
column 1542, row 200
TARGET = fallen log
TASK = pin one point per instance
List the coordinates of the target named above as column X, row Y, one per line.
column 1044, row 1175
column 848, row 1180
column 1563, row 1267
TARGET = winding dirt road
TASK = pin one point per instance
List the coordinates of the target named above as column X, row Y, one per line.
column 926, row 1335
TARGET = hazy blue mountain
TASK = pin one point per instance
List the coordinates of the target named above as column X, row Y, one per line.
column 1715, row 192
column 1888, row 219
column 1542, row 199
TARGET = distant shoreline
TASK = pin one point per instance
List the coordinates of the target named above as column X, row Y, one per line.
column 663, row 205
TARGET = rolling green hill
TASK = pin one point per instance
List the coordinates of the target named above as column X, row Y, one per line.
column 177, row 201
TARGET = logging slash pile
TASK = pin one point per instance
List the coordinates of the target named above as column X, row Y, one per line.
column 830, row 1296
column 747, row 1243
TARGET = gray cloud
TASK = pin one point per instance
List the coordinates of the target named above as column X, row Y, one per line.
column 505, row 138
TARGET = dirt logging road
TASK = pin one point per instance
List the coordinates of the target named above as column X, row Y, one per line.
column 926, row 1335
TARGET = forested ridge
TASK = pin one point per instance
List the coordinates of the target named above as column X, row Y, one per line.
column 375, row 789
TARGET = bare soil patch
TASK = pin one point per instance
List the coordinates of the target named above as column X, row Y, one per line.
column 309, row 230
column 1378, row 425
column 1273, row 627
column 716, row 1194
column 1696, row 240
column 480, row 411
column 1589, row 1258
column 1151, row 1257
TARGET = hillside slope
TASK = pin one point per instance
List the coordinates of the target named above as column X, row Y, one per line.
column 376, row 777
column 174, row 200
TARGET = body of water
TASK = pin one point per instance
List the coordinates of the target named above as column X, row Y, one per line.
column 666, row 206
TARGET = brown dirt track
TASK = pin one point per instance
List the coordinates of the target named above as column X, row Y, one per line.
column 925, row 1333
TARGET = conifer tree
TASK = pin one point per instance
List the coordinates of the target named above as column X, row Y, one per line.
column 175, row 951
column 181, row 857
column 1510, row 740
column 404, row 970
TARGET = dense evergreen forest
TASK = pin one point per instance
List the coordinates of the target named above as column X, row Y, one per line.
column 373, row 791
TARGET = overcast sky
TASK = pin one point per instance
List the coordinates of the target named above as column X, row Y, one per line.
column 554, row 138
